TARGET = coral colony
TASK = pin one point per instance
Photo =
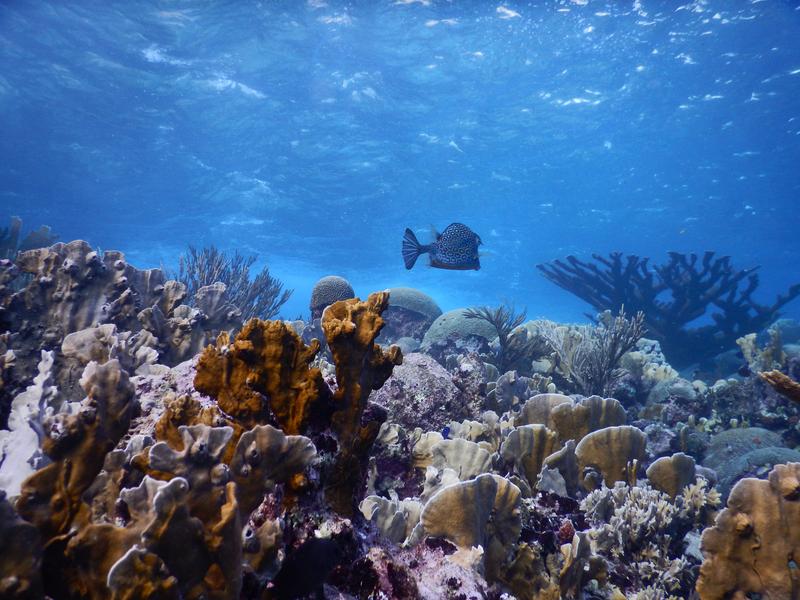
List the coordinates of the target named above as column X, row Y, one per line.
column 159, row 443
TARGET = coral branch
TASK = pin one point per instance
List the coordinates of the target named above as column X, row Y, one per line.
column 351, row 327
column 672, row 295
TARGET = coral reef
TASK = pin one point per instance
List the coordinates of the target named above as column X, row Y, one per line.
column 265, row 369
column 139, row 464
column 113, row 310
column 695, row 286
column 454, row 325
column 783, row 384
column 351, row 327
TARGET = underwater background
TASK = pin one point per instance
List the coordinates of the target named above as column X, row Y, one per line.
column 312, row 133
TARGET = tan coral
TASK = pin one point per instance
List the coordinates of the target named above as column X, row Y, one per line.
column 262, row 547
column 435, row 480
column 612, row 452
column 566, row 463
column 783, row 384
column 78, row 444
column 670, row 474
column 538, row 408
column 185, row 410
column 466, row 458
column 527, row 447
column 203, row 556
column 20, row 556
column 752, row 547
column 481, row 512
column 351, row 327
column 394, row 518
column 141, row 575
column 422, row 451
column 267, row 361
column 574, row 420
column 199, row 462
column 528, row 576
column 265, row 456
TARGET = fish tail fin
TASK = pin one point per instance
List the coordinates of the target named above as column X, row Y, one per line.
column 411, row 248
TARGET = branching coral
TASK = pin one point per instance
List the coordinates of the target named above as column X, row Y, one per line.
column 641, row 530
column 261, row 297
column 588, row 358
column 692, row 285
column 515, row 343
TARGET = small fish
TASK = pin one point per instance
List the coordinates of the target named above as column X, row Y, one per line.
column 455, row 248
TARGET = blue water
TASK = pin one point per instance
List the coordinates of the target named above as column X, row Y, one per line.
column 313, row 133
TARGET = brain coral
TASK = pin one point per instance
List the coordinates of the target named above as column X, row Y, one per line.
column 455, row 323
column 409, row 314
column 328, row 290
column 414, row 300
